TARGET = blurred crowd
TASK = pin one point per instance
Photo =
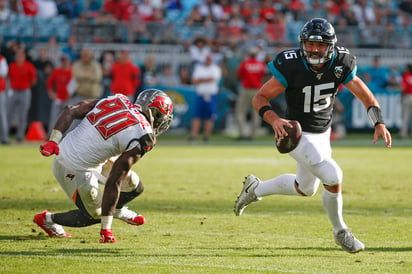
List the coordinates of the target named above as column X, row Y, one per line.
column 56, row 74
column 360, row 23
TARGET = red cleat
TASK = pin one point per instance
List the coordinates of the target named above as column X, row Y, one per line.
column 107, row 236
column 52, row 229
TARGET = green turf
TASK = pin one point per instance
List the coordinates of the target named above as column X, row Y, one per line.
column 191, row 228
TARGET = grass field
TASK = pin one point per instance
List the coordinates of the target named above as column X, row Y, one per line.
column 188, row 201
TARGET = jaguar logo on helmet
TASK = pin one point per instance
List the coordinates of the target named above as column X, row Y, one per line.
column 338, row 71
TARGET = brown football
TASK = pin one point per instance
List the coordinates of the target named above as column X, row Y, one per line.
column 290, row 142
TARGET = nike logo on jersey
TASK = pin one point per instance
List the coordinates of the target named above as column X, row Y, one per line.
column 279, row 62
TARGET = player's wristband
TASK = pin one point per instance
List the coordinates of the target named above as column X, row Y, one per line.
column 375, row 114
column 263, row 110
column 56, row 136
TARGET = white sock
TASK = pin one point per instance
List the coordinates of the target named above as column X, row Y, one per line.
column 107, row 222
column 49, row 217
column 333, row 204
column 283, row 184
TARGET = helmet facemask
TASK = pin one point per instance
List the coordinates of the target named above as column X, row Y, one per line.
column 318, row 30
column 160, row 122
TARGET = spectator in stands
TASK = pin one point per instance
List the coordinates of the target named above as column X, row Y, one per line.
column 43, row 59
column 93, row 8
column 146, row 10
column 46, row 8
column 40, row 102
column 125, row 76
column 4, row 128
column 318, row 10
column 212, row 9
column 71, row 48
column 275, row 29
column 4, row 11
column 206, row 77
column 233, row 56
column 106, row 61
column 118, row 9
column 364, row 13
column 298, row 10
column 66, row 8
column 148, row 73
column 185, row 77
column 9, row 50
column 88, row 76
column 394, row 79
column 168, row 78
column 250, row 74
column 30, row 8
column 247, row 9
column 57, row 89
column 403, row 40
column 53, row 50
column 199, row 50
column 378, row 72
column 22, row 76
column 14, row 6
column 406, row 6
column 267, row 10
column 195, row 18
column 406, row 88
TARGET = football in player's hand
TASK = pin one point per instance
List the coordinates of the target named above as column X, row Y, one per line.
column 290, row 142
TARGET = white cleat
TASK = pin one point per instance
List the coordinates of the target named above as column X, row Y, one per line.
column 129, row 216
column 247, row 195
column 348, row 242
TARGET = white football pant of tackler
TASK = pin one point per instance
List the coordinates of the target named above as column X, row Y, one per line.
column 129, row 184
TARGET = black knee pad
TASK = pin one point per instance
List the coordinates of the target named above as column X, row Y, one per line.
column 126, row 197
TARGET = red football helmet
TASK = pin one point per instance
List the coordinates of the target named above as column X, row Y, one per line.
column 157, row 107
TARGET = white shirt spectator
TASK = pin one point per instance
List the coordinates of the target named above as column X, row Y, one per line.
column 4, row 11
column 212, row 9
column 47, row 8
column 203, row 73
column 199, row 50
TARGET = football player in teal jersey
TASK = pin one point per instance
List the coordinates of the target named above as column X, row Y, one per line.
column 310, row 77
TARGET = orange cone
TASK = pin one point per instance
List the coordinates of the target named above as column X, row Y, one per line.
column 36, row 132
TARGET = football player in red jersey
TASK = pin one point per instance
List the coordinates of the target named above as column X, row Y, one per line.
column 310, row 77
column 112, row 136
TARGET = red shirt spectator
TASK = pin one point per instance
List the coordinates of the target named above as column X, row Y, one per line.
column 246, row 9
column 267, row 12
column 125, row 76
column 22, row 74
column 118, row 8
column 406, row 85
column 251, row 71
column 30, row 7
column 59, row 80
